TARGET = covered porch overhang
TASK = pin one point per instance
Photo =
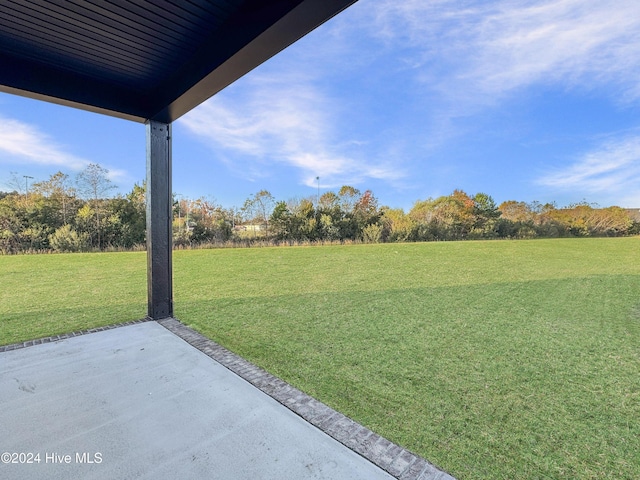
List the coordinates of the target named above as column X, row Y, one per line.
column 152, row 61
column 148, row 61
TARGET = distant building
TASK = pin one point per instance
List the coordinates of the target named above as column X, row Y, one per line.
column 257, row 227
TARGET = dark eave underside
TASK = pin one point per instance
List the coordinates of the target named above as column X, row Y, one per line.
column 144, row 59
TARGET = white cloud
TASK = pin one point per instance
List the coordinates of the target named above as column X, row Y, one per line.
column 24, row 143
column 448, row 59
column 613, row 168
column 287, row 119
column 118, row 175
column 475, row 52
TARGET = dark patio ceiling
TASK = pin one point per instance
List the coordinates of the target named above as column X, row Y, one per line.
column 144, row 59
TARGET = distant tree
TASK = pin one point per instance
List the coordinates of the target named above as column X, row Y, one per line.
column 52, row 216
column 16, row 183
column 209, row 222
column 330, row 217
column 59, row 191
column 124, row 219
column 450, row 217
column 233, row 215
column 93, row 182
column 93, row 185
column 85, row 220
column 329, row 228
column 136, row 214
column 258, row 208
column 486, row 214
column 329, row 201
column 348, row 198
column 366, row 214
column 610, row 221
column 27, row 221
column 304, row 223
column 281, row 221
column 11, row 224
column 583, row 220
column 366, row 206
column 398, row 226
column 516, row 211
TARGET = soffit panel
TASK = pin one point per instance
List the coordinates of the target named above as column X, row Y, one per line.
column 144, row 59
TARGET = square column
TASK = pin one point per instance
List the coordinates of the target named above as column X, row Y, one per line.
column 159, row 221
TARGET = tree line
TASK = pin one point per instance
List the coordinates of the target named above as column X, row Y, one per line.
column 65, row 215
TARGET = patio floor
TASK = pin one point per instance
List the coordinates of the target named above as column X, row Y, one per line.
column 157, row 400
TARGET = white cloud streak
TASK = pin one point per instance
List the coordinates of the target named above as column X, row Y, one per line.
column 490, row 49
column 613, row 168
column 456, row 58
column 284, row 119
column 24, row 143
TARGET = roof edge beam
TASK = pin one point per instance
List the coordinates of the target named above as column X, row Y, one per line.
column 59, row 86
column 293, row 25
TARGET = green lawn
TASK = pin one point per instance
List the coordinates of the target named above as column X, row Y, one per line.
column 43, row 295
column 512, row 360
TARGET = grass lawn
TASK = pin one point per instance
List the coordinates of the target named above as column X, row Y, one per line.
column 43, row 295
column 509, row 360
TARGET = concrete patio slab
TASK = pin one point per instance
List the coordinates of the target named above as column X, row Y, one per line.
column 139, row 402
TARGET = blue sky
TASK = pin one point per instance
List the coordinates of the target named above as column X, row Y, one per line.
column 523, row 100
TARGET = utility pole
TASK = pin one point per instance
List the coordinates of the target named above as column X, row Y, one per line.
column 187, row 203
column 318, row 197
column 26, row 183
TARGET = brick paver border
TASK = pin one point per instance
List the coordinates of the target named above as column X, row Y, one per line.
column 397, row 461
column 63, row 336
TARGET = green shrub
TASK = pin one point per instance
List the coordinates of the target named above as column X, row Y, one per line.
column 372, row 233
column 66, row 239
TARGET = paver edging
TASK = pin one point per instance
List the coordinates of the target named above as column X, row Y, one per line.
column 64, row 336
column 392, row 458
